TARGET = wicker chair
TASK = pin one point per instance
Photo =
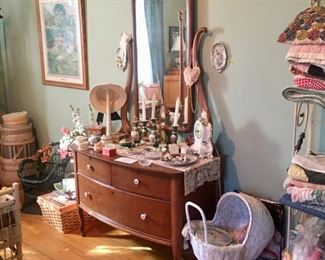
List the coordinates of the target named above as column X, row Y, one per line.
column 38, row 180
column 10, row 226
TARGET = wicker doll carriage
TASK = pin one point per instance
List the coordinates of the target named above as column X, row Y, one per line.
column 238, row 216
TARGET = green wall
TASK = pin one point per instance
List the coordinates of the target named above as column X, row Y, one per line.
column 49, row 106
column 252, row 120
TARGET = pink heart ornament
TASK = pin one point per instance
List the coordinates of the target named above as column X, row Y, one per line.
column 191, row 75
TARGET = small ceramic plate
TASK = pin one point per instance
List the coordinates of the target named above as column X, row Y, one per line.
column 154, row 155
column 182, row 160
column 219, row 56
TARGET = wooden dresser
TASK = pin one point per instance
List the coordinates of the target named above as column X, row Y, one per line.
column 145, row 201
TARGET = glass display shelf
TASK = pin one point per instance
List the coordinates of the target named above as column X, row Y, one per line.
column 317, row 211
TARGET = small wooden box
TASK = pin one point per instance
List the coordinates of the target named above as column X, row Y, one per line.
column 61, row 215
column 98, row 131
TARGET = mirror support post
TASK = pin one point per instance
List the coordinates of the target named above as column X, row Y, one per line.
column 135, row 68
column 126, row 126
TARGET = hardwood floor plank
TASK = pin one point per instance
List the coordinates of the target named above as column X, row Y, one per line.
column 43, row 242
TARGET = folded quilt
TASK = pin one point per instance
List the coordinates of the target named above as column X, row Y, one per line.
column 307, row 53
column 306, row 195
column 308, row 70
column 298, row 173
column 306, row 28
column 301, row 184
column 311, row 163
column 304, row 95
column 302, row 81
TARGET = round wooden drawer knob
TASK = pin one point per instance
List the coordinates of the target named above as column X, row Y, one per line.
column 89, row 167
column 87, row 195
column 143, row 216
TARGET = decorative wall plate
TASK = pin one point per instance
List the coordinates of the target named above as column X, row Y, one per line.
column 218, row 56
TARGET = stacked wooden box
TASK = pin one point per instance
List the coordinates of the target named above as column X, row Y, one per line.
column 16, row 143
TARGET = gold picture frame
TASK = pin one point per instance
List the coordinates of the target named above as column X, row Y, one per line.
column 62, row 38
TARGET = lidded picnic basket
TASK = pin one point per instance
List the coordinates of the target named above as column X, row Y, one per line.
column 61, row 214
column 234, row 210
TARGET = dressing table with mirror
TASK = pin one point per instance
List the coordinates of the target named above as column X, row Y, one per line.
column 148, row 201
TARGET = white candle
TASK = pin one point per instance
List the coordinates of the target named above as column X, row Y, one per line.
column 186, row 110
column 108, row 112
column 162, row 112
column 144, row 116
column 153, row 107
column 176, row 112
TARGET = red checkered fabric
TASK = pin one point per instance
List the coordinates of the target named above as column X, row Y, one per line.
column 309, row 83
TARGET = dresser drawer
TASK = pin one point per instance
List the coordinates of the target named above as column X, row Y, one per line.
column 143, row 214
column 141, row 183
column 94, row 168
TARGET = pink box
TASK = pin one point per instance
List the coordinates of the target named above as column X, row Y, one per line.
column 109, row 151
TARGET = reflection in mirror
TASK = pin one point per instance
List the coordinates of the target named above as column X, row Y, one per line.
column 158, row 49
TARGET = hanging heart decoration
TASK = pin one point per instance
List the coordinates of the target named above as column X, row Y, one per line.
column 191, row 75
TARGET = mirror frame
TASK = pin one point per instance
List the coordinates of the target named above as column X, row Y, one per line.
column 189, row 25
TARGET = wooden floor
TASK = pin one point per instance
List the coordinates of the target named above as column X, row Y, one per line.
column 41, row 241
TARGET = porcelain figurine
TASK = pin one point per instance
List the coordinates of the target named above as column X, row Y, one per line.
column 202, row 137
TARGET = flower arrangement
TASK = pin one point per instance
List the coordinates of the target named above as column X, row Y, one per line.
column 42, row 155
column 69, row 136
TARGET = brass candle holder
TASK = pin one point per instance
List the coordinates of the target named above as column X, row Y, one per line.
column 173, row 135
column 154, row 135
column 135, row 133
column 144, row 130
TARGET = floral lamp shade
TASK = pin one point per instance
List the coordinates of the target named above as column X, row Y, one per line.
column 308, row 27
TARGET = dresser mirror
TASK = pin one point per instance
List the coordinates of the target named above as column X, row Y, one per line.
column 163, row 35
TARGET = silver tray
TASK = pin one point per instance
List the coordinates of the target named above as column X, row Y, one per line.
column 189, row 160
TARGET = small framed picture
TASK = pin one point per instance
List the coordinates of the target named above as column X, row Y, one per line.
column 174, row 39
column 62, row 37
column 173, row 33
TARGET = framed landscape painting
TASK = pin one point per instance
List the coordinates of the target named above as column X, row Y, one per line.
column 62, row 36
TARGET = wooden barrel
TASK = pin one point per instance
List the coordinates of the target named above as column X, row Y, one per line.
column 17, row 149
column 10, row 164
column 14, row 120
column 10, row 135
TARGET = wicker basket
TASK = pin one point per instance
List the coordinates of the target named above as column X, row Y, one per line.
column 16, row 119
column 234, row 210
column 61, row 215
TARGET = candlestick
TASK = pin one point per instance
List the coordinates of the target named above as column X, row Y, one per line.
column 144, row 130
column 108, row 112
column 185, row 110
column 144, row 116
column 173, row 136
column 162, row 112
column 176, row 112
column 153, row 107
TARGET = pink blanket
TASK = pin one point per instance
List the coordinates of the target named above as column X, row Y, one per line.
column 301, row 184
column 307, row 53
